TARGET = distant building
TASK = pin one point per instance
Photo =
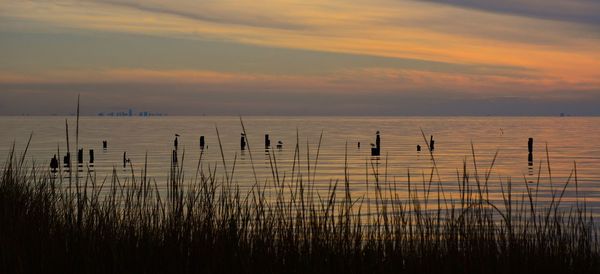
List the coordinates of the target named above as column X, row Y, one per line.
column 130, row 113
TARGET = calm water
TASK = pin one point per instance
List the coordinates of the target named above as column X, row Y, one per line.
column 569, row 140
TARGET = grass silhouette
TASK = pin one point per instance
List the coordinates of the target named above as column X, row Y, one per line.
column 207, row 224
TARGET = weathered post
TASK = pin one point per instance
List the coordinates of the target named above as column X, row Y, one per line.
column 431, row 143
column 54, row 164
column 243, row 141
column 91, row 156
column 67, row 161
column 376, row 148
column 530, row 150
column 80, row 156
column 267, row 141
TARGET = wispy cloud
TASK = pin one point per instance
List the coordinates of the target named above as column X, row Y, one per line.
column 387, row 47
column 343, row 81
column 404, row 29
column 576, row 11
column 219, row 12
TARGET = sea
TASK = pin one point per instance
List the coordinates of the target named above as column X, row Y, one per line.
column 325, row 151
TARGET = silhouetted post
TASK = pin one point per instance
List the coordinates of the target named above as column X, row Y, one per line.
column 530, row 150
column 267, row 141
column 104, row 144
column 418, row 147
column 91, row 156
column 431, row 143
column 176, row 142
column 54, row 164
column 201, row 142
column 243, row 141
column 80, row 156
column 67, row 160
column 358, row 144
column 376, row 148
column 530, row 164
column 124, row 158
column 174, row 157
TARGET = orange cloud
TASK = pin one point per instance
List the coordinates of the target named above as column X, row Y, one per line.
column 343, row 81
column 557, row 54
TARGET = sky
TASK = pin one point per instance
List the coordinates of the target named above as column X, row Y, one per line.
column 301, row 57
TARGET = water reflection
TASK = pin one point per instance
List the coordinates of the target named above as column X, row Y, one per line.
column 530, row 156
column 530, row 164
column 154, row 136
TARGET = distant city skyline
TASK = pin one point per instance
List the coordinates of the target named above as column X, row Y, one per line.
column 288, row 57
column 130, row 112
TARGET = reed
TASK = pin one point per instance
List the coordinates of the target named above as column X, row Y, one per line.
column 207, row 224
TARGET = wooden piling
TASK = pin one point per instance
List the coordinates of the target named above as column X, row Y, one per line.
column 67, row 160
column 530, row 150
column 376, row 149
column 431, row 143
column 54, row 164
column 80, row 156
column 243, row 141
column 91, row 156
column 267, row 141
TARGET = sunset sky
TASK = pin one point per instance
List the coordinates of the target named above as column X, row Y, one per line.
column 301, row 57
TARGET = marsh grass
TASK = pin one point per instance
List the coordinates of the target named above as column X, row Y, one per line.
column 207, row 224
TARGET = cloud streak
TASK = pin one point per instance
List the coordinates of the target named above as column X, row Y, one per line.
column 574, row 11
column 364, row 80
column 447, row 50
column 209, row 13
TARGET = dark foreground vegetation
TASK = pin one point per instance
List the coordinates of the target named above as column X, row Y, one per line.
column 206, row 224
